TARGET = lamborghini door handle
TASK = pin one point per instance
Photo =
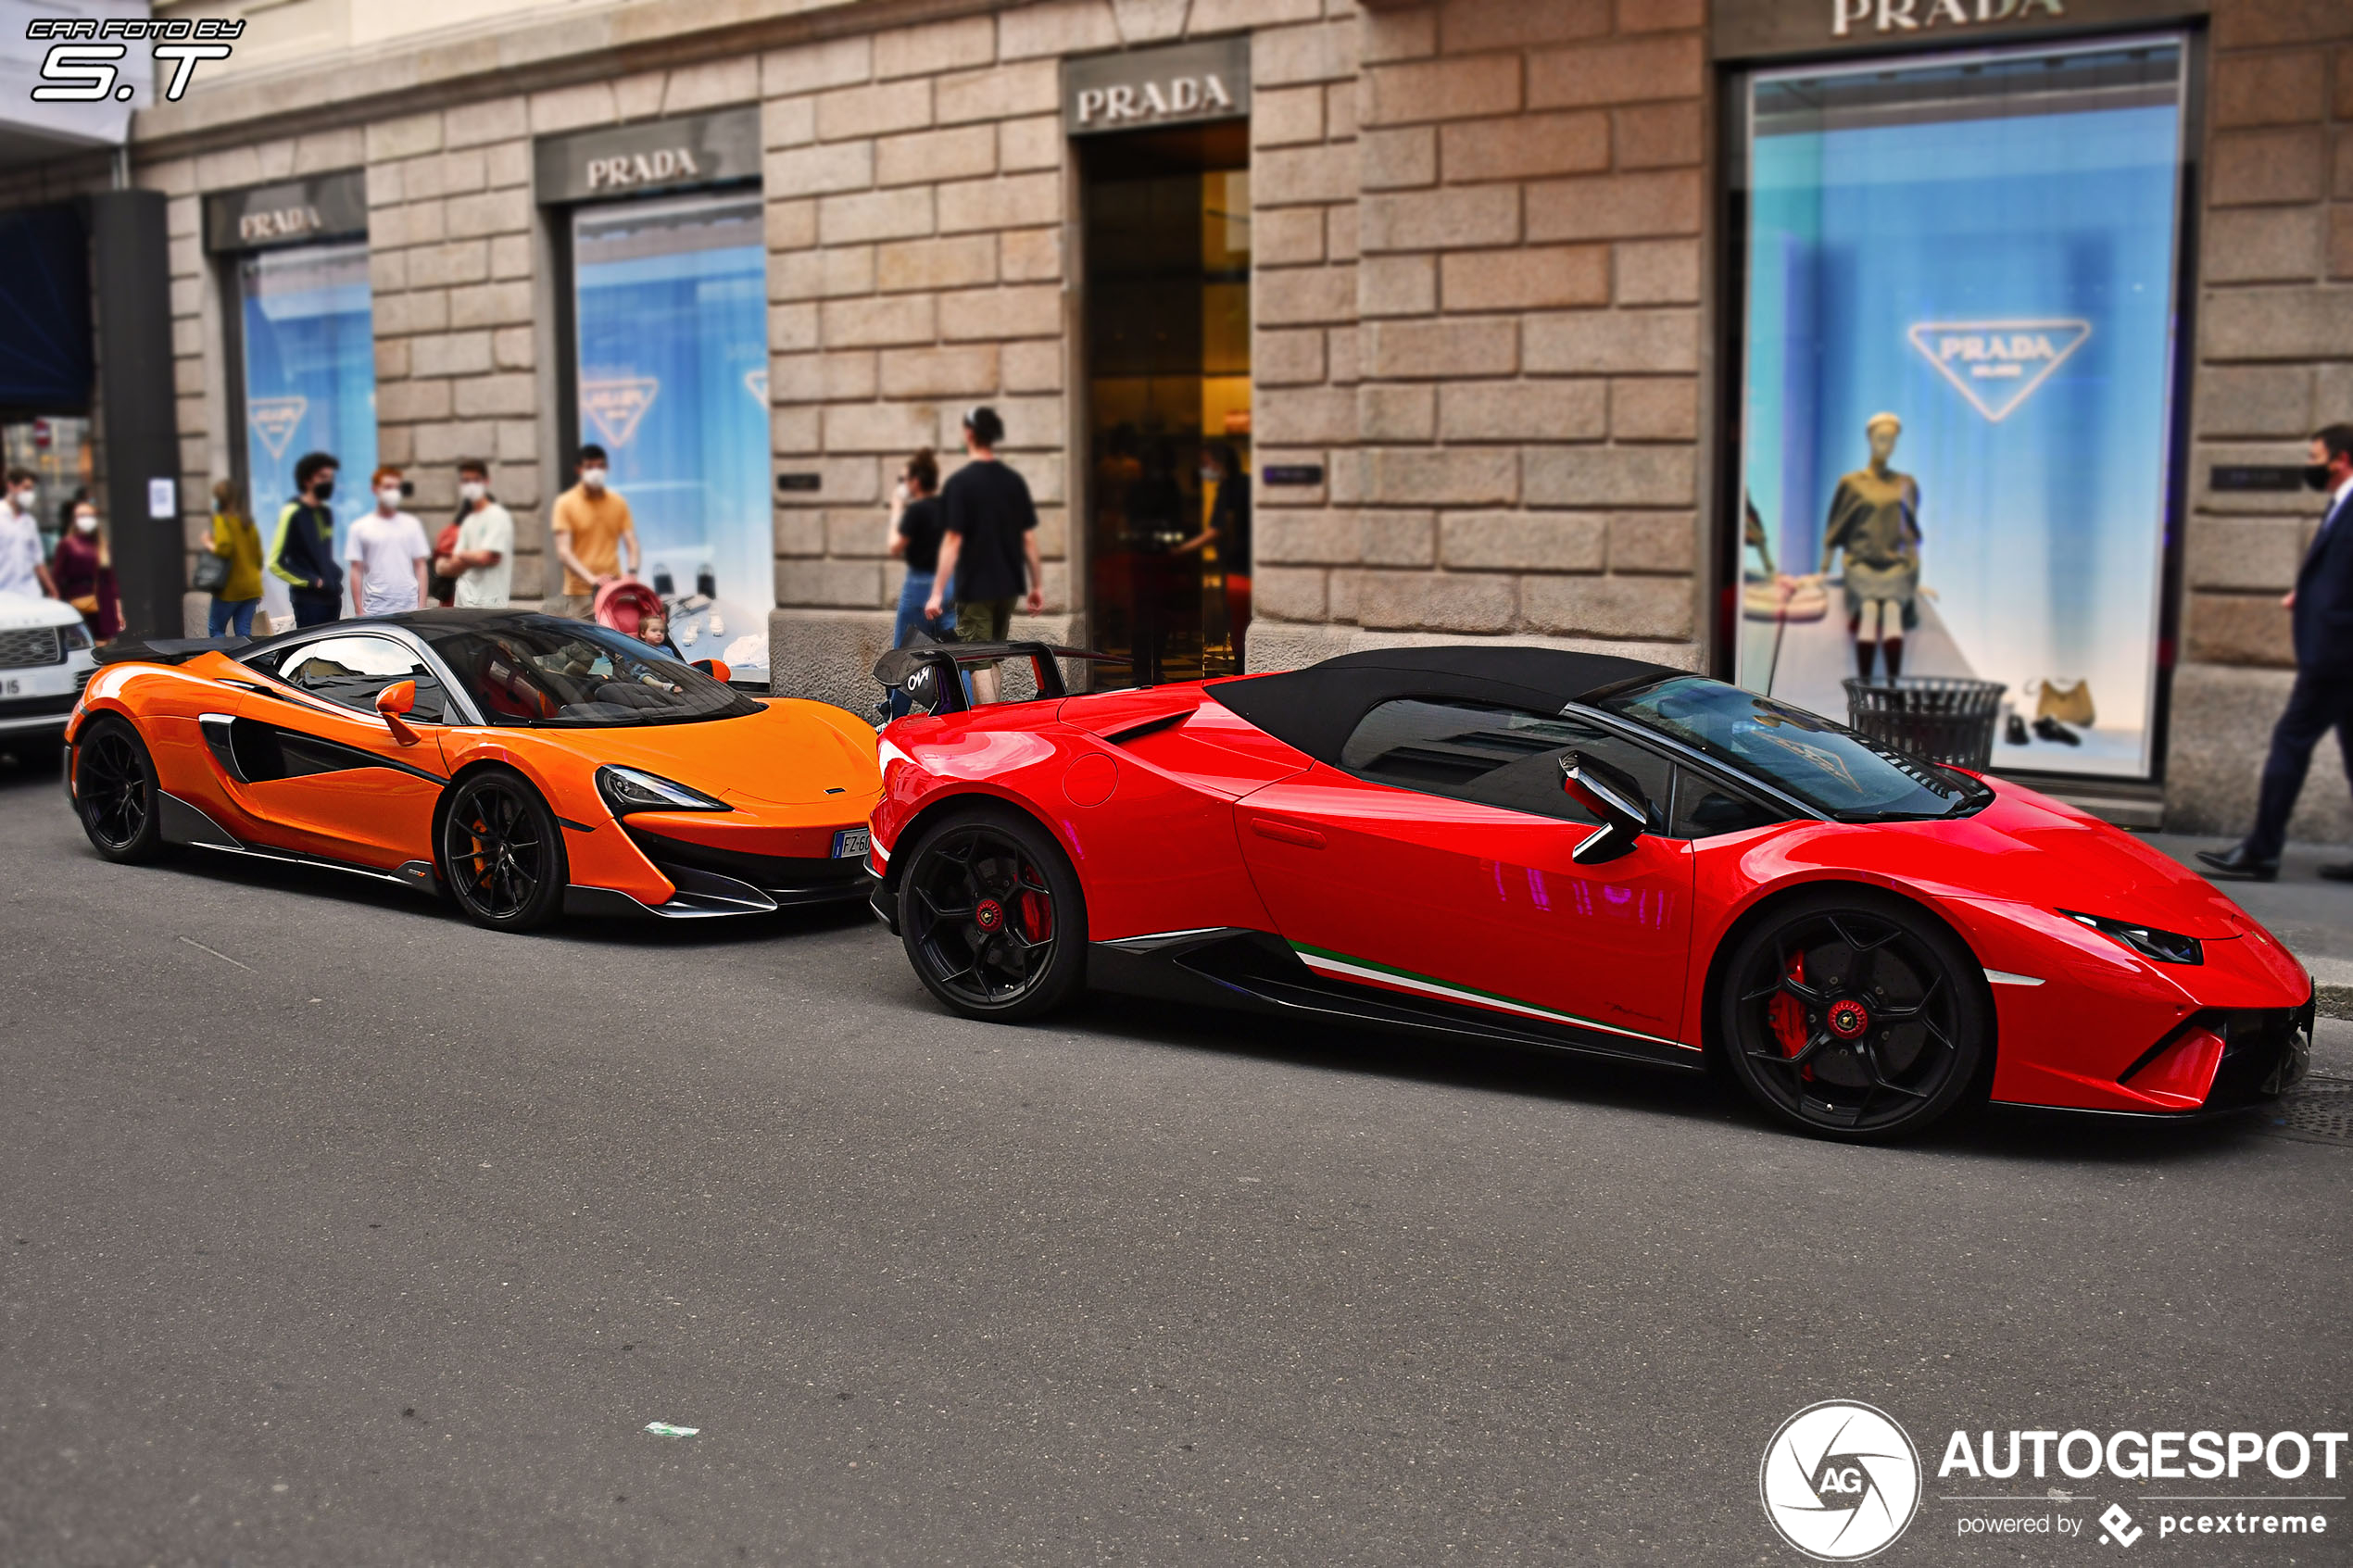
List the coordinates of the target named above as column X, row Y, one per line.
column 1286, row 833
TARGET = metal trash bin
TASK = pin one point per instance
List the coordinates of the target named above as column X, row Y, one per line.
column 1937, row 718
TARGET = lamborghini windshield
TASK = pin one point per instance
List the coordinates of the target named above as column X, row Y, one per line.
column 1827, row 766
column 541, row 671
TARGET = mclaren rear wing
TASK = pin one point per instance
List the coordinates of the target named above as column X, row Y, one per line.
column 165, row 651
column 929, row 672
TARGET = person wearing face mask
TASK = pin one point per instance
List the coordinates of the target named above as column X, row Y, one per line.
column 83, row 572
column 388, row 553
column 482, row 559
column 590, row 525
column 2321, row 607
column 303, row 552
column 21, row 570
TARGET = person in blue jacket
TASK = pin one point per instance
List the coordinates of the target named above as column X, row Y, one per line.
column 2321, row 607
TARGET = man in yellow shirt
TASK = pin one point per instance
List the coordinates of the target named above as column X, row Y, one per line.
column 590, row 525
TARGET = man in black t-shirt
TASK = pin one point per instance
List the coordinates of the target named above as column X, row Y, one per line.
column 990, row 548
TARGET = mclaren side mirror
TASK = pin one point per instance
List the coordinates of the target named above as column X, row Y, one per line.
column 1610, row 793
column 395, row 701
column 716, row 668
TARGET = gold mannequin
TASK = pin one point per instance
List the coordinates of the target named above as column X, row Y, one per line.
column 1874, row 518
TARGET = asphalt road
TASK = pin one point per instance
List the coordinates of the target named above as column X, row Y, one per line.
column 335, row 1232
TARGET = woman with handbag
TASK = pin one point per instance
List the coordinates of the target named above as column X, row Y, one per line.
column 83, row 569
column 230, row 570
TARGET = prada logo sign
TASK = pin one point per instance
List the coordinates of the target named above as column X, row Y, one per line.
column 326, row 207
column 1762, row 29
column 665, row 166
column 279, row 223
column 660, row 155
column 1892, row 16
column 1145, row 87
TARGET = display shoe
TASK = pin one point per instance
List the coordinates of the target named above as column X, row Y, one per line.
column 2016, row 732
column 2236, row 861
column 2051, row 729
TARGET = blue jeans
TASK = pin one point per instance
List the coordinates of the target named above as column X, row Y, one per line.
column 226, row 611
column 912, row 595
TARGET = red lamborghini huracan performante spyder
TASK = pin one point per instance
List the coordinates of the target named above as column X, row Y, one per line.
column 1577, row 851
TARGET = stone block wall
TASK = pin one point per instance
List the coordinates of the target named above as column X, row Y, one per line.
column 1526, row 346
column 2274, row 361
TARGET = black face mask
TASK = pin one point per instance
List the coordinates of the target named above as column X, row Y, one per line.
column 324, row 491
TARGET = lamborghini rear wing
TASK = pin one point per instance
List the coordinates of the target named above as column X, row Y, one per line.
column 928, row 671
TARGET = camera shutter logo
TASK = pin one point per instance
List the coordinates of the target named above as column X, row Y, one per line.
column 1840, row 1481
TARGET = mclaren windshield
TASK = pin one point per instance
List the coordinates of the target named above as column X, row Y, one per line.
column 542, row 671
column 1848, row 777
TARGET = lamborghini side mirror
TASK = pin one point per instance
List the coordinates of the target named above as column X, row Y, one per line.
column 1611, row 793
column 392, row 703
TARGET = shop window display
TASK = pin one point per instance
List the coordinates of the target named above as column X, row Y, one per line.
column 1958, row 366
column 308, row 358
column 673, row 356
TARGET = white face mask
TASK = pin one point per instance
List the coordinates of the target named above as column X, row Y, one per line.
column 23, row 499
column 473, row 490
column 390, row 496
column 593, row 477
column 85, row 523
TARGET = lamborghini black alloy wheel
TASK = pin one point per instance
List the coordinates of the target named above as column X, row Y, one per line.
column 501, row 855
column 989, row 918
column 1853, row 1020
column 114, row 786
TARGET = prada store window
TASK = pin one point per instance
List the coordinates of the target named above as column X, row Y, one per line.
column 1958, row 338
column 1169, row 399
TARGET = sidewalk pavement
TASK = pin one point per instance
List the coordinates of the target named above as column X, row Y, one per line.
column 2314, row 918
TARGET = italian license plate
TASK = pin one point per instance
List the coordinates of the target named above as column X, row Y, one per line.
column 850, row 843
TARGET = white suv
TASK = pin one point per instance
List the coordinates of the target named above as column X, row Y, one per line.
column 45, row 659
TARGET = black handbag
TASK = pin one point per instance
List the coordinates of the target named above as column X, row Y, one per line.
column 212, row 574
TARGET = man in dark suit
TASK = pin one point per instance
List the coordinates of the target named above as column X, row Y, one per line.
column 2321, row 700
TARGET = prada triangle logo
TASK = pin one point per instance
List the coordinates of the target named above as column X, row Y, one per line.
column 614, row 407
column 756, row 383
column 1997, row 364
column 275, row 420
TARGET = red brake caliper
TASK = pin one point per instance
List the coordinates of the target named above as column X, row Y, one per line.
column 1036, row 917
column 1787, row 1015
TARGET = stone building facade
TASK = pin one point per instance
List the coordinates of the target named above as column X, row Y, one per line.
column 1488, row 300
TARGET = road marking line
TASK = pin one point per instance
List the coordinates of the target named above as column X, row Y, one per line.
column 218, row 954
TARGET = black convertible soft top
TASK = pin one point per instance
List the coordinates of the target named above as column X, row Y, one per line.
column 1318, row 709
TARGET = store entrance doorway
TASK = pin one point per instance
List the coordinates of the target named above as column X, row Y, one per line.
column 1167, row 217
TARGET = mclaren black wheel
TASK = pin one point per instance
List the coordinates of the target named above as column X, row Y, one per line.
column 1854, row 1016
column 502, row 854
column 115, row 791
column 992, row 917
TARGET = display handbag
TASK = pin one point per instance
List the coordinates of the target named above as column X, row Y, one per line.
column 211, row 573
column 2069, row 705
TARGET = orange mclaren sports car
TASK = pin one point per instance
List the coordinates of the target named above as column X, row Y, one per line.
column 521, row 765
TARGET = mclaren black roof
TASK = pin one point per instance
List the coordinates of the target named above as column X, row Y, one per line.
column 1316, row 709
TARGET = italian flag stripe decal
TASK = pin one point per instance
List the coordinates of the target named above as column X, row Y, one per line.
column 1342, row 966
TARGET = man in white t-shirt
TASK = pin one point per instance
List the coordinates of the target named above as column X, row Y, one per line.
column 388, row 554
column 21, row 570
column 482, row 561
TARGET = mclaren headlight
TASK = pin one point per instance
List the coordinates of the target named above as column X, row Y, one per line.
column 631, row 789
column 2159, row 946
